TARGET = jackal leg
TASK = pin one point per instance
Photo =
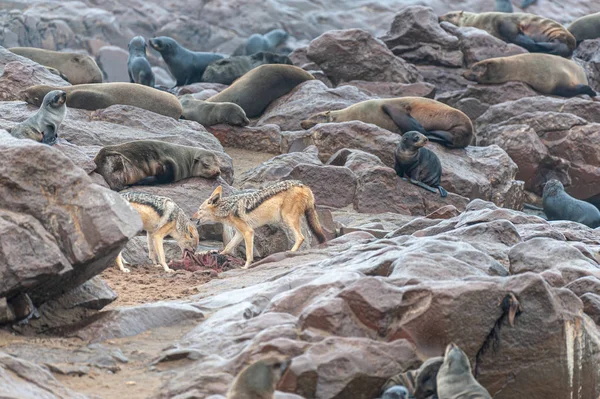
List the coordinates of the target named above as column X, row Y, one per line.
column 151, row 249
column 248, row 234
column 292, row 220
column 233, row 244
column 160, row 251
column 120, row 264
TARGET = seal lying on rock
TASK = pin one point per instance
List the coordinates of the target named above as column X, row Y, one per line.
column 439, row 122
column 226, row 71
column 138, row 66
column 77, row 68
column 258, row 88
column 208, row 114
column 455, row 381
column 103, row 95
column 267, row 42
column 258, row 380
column 546, row 73
column 129, row 163
column 586, row 27
column 186, row 66
column 532, row 32
column 558, row 205
column 419, row 164
column 43, row 125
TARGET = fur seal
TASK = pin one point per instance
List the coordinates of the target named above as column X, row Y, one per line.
column 420, row 383
column 208, row 114
column 43, row 125
column 396, row 392
column 455, row 381
column 532, row 32
column 258, row 380
column 586, row 27
column 77, row 68
column 558, row 205
column 186, row 66
column 103, row 95
column 138, row 66
column 227, row 70
column 546, row 73
column 439, row 122
column 421, row 166
column 267, row 42
column 504, row 6
column 151, row 161
column 258, row 88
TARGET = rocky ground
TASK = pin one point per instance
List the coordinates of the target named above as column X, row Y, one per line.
column 404, row 272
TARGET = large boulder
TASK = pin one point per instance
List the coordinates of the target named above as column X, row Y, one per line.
column 68, row 228
column 354, row 54
column 18, row 73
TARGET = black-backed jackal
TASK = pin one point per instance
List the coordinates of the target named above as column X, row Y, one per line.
column 285, row 201
column 161, row 217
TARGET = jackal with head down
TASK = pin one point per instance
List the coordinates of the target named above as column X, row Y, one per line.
column 283, row 202
column 161, row 217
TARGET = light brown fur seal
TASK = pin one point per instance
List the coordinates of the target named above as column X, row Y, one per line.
column 258, row 380
column 546, row 73
column 208, row 114
column 103, row 95
column 77, row 68
column 258, row 88
column 532, row 32
column 43, row 125
column 439, row 122
column 455, row 380
column 153, row 161
column 586, row 27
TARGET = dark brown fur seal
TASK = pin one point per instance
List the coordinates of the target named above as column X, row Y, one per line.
column 186, row 66
column 420, row 165
column 532, row 32
column 558, row 205
column 227, row 70
column 258, row 88
column 129, row 163
column 208, row 114
column 77, row 68
column 439, row 122
column 546, row 73
column 43, row 125
column 258, row 380
column 586, row 27
column 454, row 379
column 103, row 95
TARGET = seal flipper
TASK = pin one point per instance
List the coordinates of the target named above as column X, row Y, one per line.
column 147, row 181
column 555, row 48
column 423, row 185
column 49, row 136
column 402, row 119
column 443, row 192
column 440, row 136
column 574, row 91
column 528, row 43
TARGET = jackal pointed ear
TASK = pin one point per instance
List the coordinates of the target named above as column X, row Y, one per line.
column 216, row 195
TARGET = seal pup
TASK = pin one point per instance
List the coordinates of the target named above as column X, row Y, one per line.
column 138, row 66
column 161, row 217
column 558, row 205
column 258, row 88
column 396, row 392
column 546, row 73
column 282, row 202
column 504, row 6
column 454, row 379
column 439, row 122
column 422, row 167
column 77, row 68
column 208, row 114
column 186, row 66
column 532, row 32
column 103, row 95
column 151, row 161
column 227, row 70
column 586, row 27
column 267, row 42
column 258, row 380
column 43, row 125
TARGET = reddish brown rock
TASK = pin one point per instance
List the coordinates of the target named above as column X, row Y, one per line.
column 262, row 138
column 112, row 60
column 392, row 90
